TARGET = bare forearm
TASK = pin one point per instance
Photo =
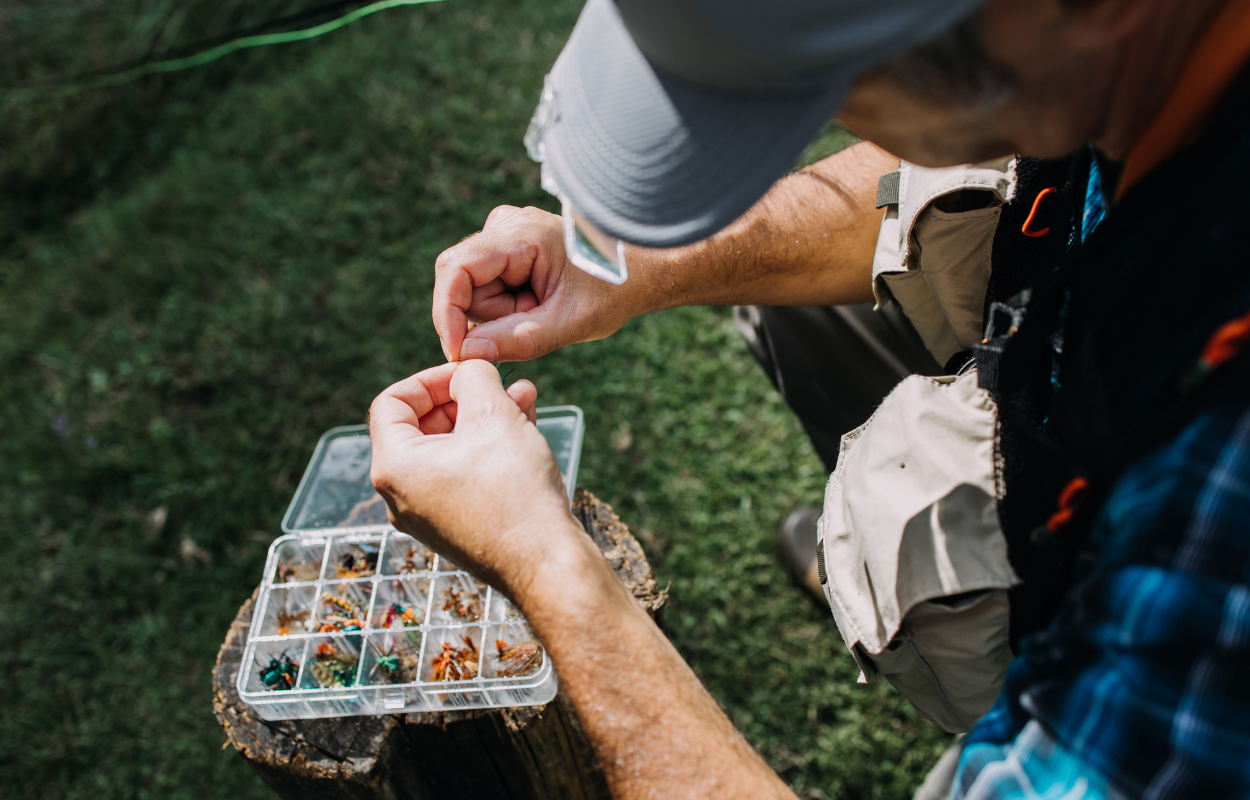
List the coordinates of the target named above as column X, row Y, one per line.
column 491, row 497
column 809, row 241
column 656, row 730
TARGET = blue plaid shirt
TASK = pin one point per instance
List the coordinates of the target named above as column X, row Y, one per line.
column 1142, row 686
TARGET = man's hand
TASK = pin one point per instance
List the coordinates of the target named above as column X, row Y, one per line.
column 513, row 279
column 809, row 241
column 490, row 496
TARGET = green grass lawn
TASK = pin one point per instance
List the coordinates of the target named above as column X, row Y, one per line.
column 201, row 273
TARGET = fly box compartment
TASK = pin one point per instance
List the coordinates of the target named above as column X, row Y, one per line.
column 354, row 617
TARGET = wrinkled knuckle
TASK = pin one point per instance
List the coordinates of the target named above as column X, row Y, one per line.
column 446, row 260
column 530, row 216
column 499, row 215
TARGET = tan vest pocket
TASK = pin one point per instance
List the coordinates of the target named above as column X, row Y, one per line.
column 914, row 559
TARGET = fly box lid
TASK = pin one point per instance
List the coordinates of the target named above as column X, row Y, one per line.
column 335, row 491
column 354, row 617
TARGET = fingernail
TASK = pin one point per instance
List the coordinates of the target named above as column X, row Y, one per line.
column 479, row 348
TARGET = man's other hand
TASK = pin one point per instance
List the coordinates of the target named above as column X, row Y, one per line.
column 512, row 279
column 488, row 496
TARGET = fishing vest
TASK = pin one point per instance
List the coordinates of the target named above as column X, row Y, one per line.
column 958, row 518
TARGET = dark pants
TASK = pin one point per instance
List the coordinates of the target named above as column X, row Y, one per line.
column 834, row 364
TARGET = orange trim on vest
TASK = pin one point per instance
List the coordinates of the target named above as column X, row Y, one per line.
column 1033, row 213
column 1226, row 342
column 1064, row 514
column 1216, row 60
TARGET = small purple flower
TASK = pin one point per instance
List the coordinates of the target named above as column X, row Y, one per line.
column 60, row 425
column 91, row 442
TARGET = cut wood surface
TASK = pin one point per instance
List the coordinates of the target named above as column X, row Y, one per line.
column 530, row 753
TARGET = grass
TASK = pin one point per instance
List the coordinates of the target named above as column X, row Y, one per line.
column 201, row 273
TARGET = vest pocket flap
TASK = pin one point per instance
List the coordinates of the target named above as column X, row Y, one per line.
column 933, row 249
column 910, row 513
column 952, row 547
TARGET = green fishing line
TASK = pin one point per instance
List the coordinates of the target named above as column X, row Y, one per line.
column 199, row 59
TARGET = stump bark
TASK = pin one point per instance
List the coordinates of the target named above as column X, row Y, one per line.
column 531, row 753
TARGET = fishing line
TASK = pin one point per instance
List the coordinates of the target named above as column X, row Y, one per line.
column 199, row 59
column 312, row 13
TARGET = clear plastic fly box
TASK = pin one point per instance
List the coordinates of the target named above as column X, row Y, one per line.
column 354, row 617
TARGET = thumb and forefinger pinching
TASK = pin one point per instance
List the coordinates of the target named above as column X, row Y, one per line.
column 407, row 402
column 478, row 392
column 432, row 401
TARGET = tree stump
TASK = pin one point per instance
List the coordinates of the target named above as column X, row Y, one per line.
column 531, row 753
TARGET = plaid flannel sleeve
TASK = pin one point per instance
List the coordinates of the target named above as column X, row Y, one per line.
column 1141, row 688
